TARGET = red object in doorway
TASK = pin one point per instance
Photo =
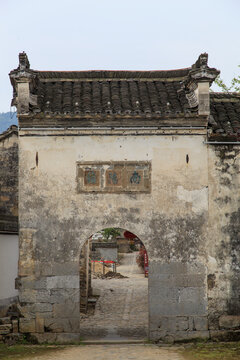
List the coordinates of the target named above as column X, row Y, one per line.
column 145, row 263
column 129, row 235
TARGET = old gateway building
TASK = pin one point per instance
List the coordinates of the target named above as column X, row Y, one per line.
column 153, row 152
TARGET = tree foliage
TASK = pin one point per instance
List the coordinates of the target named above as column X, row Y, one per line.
column 234, row 86
column 110, row 233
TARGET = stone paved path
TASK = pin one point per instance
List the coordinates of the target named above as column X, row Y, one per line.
column 122, row 309
column 113, row 352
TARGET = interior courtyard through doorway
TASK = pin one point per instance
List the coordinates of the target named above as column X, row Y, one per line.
column 114, row 286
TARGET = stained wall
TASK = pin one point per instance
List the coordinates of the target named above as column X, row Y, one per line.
column 223, row 242
column 55, row 221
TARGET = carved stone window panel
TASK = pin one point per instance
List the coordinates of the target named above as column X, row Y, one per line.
column 114, row 177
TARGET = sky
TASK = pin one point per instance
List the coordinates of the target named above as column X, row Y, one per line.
column 117, row 34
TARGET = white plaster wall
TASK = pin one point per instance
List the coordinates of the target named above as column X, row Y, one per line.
column 178, row 187
column 8, row 265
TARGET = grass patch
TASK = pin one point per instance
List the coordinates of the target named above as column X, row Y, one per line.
column 21, row 351
column 212, row 351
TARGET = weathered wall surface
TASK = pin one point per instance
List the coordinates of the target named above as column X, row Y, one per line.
column 55, row 220
column 224, row 238
column 9, row 183
column 8, row 265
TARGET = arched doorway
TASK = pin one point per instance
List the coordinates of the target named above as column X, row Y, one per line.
column 114, row 286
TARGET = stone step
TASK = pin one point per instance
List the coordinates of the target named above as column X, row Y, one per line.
column 5, row 329
column 114, row 342
column 5, row 320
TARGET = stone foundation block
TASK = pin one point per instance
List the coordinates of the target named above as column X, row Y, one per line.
column 30, row 282
column 67, row 338
column 26, row 268
column 69, row 309
column 43, row 307
column 45, row 315
column 182, row 323
column 229, row 322
column 225, row 335
column 28, row 311
column 190, row 335
column 25, row 282
column 63, row 338
column 74, row 324
column 200, row 323
column 5, row 320
column 196, row 280
column 5, row 329
column 198, row 334
column 43, row 296
column 66, row 268
column 56, row 325
column 47, row 338
column 164, row 324
column 15, row 327
column 39, row 324
column 27, row 296
column 41, row 283
column 59, row 296
column 63, row 282
column 27, row 325
column 163, row 293
column 70, row 325
column 44, row 268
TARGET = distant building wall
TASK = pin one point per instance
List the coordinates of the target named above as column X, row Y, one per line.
column 9, row 180
column 8, row 265
column 105, row 251
column 8, row 214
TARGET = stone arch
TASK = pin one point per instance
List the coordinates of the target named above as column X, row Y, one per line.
column 139, row 230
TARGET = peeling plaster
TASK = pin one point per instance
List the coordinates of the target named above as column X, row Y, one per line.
column 198, row 198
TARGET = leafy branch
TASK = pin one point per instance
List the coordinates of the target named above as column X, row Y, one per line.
column 110, row 233
column 234, row 86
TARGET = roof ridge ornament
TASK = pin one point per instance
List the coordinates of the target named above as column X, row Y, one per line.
column 24, row 81
column 200, row 71
column 24, row 63
column 202, row 61
column 200, row 78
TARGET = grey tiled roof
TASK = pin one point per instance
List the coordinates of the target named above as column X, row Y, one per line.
column 225, row 116
column 114, row 74
column 130, row 93
column 161, row 97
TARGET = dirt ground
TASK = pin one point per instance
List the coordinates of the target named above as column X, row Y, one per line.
column 190, row 351
column 122, row 308
column 110, row 352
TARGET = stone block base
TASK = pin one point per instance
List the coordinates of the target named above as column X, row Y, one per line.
column 170, row 337
column 225, row 335
column 61, row 338
column 229, row 322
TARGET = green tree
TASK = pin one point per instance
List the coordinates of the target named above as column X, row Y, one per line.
column 234, row 86
column 110, row 233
